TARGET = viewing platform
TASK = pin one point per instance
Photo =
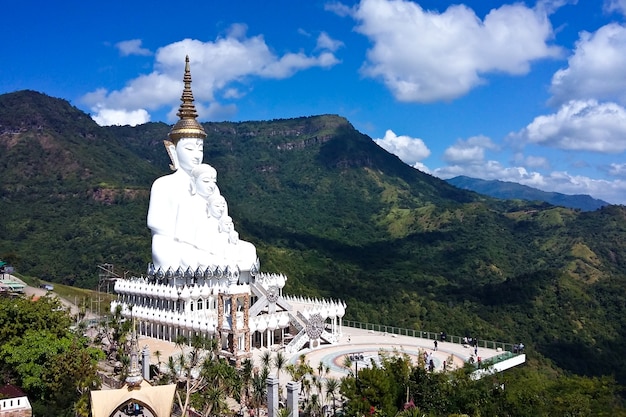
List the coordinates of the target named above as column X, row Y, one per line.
column 362, row 342
column 366, row 340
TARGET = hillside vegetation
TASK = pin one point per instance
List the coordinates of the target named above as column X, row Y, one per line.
column 341, row 217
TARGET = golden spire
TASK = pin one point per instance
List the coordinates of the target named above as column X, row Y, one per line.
column 187, row 126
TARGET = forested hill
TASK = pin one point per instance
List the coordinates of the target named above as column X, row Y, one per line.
column 337, row 214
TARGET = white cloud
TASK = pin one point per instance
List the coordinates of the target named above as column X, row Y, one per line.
column 132, row 47
column 338, row 8
column 233, row 93
column 557, row 181
column 425, row 56
column 410, row 150
column 596, row 69
column 615, row 6
column 532, row 161
column 215, row 67
column 108, row 117
column 581, row 126
column 324, row 41
column 471, row 150
column 618, row 170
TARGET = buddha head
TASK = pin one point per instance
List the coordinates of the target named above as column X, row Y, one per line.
column 217, row 206
column 226, row 224
column 187, row 135
column 204, row 178
column 189, row 153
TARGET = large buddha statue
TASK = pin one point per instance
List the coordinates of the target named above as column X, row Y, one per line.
column 186, row 208
column 171, row 192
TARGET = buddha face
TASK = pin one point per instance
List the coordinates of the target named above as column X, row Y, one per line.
column 227, row 225
column 206, row 185
column 189, row 152
column 217, row 208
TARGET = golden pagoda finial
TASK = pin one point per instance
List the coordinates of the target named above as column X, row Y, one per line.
column 187, row 126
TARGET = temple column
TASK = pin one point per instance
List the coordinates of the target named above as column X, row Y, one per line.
column 272, row 396
column 246, row 322
column 293, row 390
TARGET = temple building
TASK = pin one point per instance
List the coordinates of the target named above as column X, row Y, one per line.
column 205, row 281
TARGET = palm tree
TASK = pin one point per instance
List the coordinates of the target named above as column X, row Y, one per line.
column 332, row 386
column 222, row 380
column 347, row 363
column 259, row 389
column 284, row 412
column 314, row 407
column 158, row 355
column 185, row 369
column 280, row 361
column 266, row 359
column 246, row 370
column 215, row 401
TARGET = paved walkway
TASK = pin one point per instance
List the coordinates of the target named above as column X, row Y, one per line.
column 367, row 343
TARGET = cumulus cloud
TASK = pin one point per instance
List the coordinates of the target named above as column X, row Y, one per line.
column 618, row 170
column 324, row 41
column 596, row 69
column 582, row 126
column 108, row 117
column 338, row 8
column 217, row 68
column 467, row 151
column 410, row 150
column 425, row 56
column 615, row 6
column 531, row 161
column 132, row 47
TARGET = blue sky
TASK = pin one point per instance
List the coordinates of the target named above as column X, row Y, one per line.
column 528, row 92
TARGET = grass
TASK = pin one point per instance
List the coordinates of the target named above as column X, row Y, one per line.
column 98, row 303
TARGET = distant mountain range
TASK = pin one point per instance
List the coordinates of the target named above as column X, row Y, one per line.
column 514, row 191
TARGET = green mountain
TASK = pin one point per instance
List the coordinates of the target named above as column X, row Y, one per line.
column 341, row 217
column 512, row 190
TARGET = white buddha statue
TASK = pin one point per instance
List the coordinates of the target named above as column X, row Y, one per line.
column 196, row 228
column 172, row 191
column 187, row 215
column 236, row 251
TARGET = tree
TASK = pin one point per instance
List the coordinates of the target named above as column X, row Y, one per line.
column 259, row 388
column 266, row 359
column 247, row 368
column 40, row 354
column 332, row 387
column 72, row 373
column 158, row 355
column 186, row 370
column 222, row 380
